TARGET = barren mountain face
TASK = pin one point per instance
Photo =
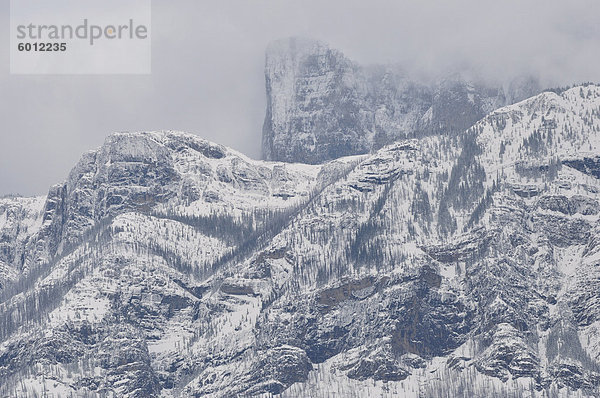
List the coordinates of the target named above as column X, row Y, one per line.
column 435, row 248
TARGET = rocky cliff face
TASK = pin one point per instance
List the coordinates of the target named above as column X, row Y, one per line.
column 141, row 172
column 20, row 218
column 321, row 105
column 447, row 265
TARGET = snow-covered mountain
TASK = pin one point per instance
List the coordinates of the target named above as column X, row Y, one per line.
column 448, row 265
column 321, row 105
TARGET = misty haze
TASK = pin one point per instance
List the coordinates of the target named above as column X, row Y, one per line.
column 309, row 199
column 208, row 69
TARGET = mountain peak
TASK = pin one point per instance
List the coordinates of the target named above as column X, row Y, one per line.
column 321, row 105
column 166, row 138
column 446, row 263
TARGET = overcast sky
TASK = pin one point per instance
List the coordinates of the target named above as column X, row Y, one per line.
column 207, row 68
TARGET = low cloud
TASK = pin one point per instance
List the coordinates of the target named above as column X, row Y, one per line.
column 208, row 68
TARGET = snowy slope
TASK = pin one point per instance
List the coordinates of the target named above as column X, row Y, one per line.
column 462, row 265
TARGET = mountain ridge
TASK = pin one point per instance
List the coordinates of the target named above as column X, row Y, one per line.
column 432, row 266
